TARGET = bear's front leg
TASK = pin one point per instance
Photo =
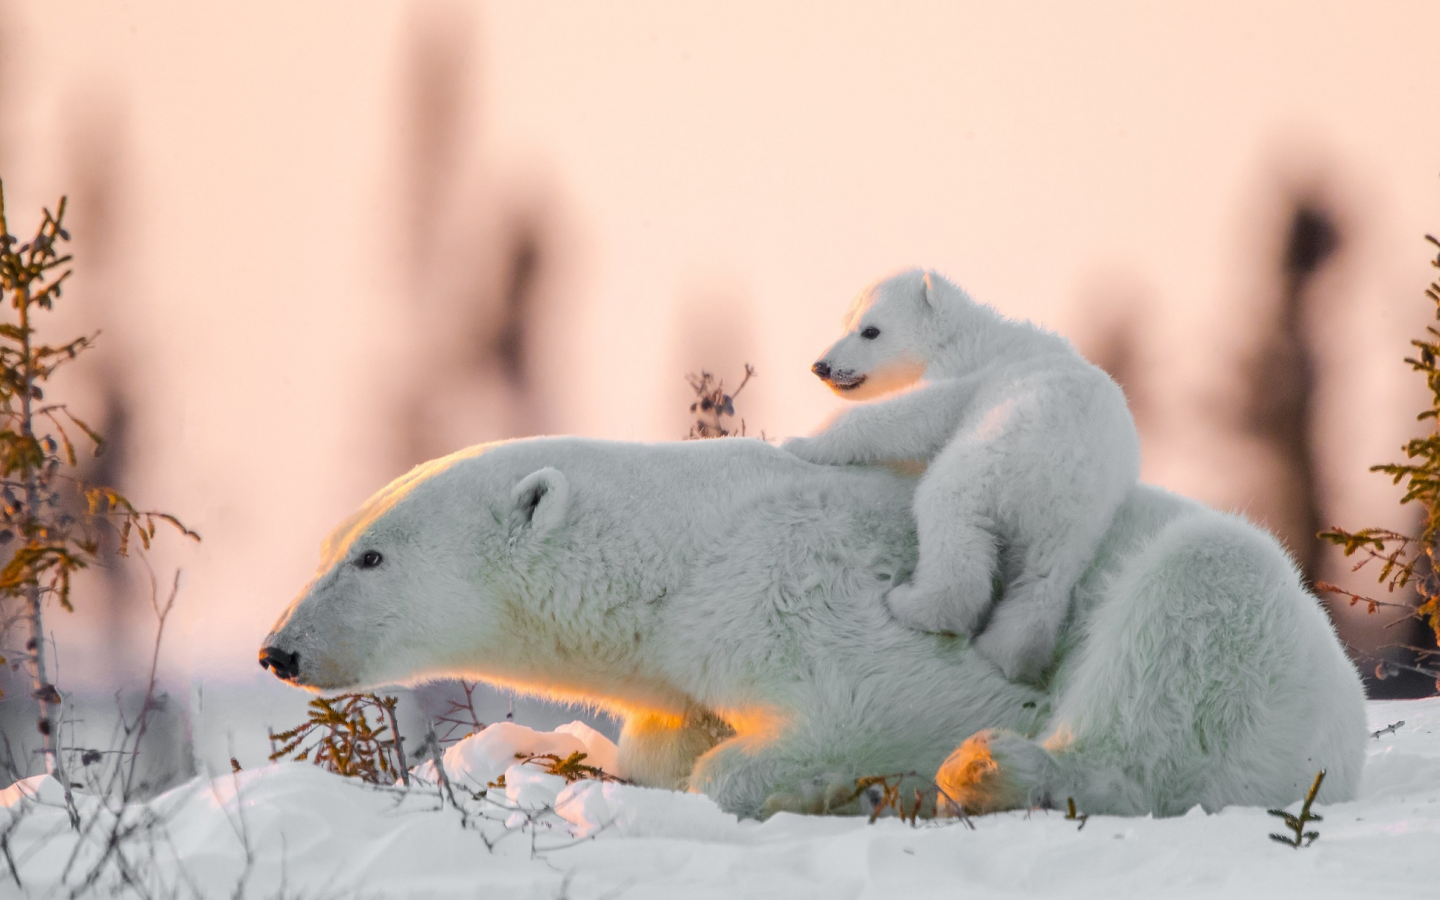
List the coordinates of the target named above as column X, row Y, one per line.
column 740, row 774
column 843, row 794
column 803, row 769
column 660, row 751
column 757, row 775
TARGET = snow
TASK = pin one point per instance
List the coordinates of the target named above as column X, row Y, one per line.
column 312, row 834
column 484, row 757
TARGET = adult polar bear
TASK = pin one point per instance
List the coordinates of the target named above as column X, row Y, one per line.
column 724, row 599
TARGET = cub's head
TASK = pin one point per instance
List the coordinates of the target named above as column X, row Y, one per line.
column 892, row 332
column 416, row 582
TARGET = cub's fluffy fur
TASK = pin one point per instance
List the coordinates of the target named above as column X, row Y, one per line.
column 1030, row 450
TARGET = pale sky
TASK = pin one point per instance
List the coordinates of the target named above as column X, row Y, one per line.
column 715, row 182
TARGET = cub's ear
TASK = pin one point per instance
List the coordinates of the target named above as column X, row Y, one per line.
column 540, row 500
column 934, row 285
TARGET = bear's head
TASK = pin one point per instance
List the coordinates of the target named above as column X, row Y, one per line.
column 418, row 581
column 892, row 332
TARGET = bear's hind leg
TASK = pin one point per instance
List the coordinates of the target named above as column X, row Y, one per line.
column 996, row 770
column 1208, row 676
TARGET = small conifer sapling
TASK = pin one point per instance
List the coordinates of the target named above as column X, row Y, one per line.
column 1299, row 837
column 340, row 736
column 52, row 520
column 1407, row 559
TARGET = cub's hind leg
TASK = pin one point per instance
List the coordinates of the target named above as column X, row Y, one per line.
column 954, row 580
column 1059, row 485
column 1024, row 629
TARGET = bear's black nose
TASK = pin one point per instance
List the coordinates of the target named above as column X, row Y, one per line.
column 286, row 666
column 821, row 369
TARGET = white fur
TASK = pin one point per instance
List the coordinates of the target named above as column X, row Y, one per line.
column 725, row 599
column 1030, row 449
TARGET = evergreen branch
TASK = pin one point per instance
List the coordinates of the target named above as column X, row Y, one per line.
column 572, row 768
column 344, row 740
column 1301, row 838
column 39, row 493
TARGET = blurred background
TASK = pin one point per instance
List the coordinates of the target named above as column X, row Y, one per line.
column 326, row 241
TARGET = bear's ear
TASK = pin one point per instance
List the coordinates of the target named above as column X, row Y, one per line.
column 540, row 500
column 933, row 284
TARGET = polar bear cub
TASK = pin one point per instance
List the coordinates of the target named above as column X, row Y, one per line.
column 1030, row 451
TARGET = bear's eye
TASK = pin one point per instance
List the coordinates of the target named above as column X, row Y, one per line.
column 870, row 333
column 370, row 559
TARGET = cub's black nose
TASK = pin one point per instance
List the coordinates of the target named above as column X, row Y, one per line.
column 821, row 369
column 286, row 666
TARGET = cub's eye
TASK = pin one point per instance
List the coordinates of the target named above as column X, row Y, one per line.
column 370, row 559
column 870, row 333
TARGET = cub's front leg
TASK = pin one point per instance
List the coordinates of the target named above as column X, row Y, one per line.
column 911, row 426
column 660, row 751
column 835, row 446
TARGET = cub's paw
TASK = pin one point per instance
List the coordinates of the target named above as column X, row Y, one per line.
column 994, row 770
column 1019, row 648
column 808, row 449
column 924, row 609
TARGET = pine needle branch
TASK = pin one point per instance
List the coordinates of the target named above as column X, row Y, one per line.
column 1300, row 837
column 342, row 739
column 52, row 523
column 1408, row 559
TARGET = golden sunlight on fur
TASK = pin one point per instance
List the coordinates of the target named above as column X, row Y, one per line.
column 971, row 779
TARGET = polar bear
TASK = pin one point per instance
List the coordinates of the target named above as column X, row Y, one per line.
column 1030, row 451
column 725, row 600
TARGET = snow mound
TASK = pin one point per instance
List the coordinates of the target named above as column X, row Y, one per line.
column 293, row 828
column 485, row 755
column 601, row 750
column 36, row 788
column 592, row 808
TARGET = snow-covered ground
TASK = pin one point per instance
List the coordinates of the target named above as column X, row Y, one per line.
column 307, row 833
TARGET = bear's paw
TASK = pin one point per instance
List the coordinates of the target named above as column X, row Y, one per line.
column 994, row 770
column 823, row 795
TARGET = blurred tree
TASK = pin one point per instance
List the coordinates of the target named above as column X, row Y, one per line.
column 1113, row 335
column 477, row 262
column 97, row 163
column 1278, row 406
